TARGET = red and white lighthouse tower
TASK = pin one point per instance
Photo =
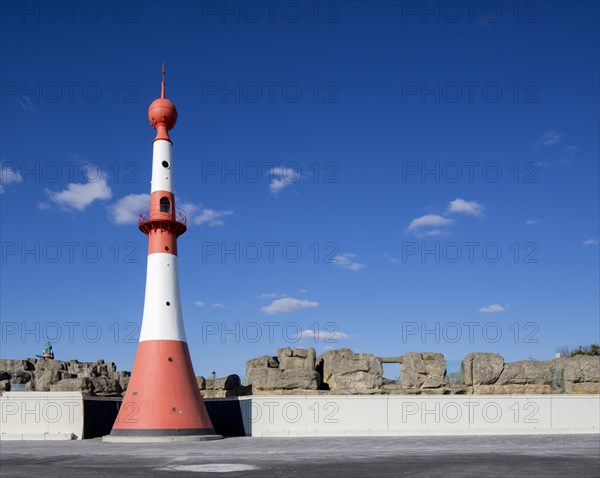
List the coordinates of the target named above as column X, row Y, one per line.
column 162, row 402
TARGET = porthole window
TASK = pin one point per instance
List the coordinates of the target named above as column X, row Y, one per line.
column 165, row 164
column 168, row 303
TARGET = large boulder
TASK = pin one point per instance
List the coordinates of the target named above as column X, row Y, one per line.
column 57, row 375
column 12, row 366
column 230, row 382
column 526, row 372
column 81, row 384
column 264, row 361
column 512, row 389
column 480, row 368
column 82, row 369
column 16, row 371
column 91, row 369
column 123, row 378
column 291, row 369
column 578, row 374
column 228, row 386
column 294, row 359
column 105, row 386
column 582, row 368
column 271, row 379
column 422, row 370
column 343, row 370
column 54, row 366
column 105, row 369
column 47, row 374
column 21, row 376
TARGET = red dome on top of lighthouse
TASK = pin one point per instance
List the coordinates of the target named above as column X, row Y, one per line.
column 162, row 110
column 162, row 113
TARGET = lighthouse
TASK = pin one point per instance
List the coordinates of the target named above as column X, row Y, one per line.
column 162, row 402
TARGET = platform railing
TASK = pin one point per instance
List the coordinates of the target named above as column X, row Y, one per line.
column 149, row 214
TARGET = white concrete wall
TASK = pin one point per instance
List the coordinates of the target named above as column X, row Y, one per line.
column 347, row 415
column 59, row 415
column 41, row 415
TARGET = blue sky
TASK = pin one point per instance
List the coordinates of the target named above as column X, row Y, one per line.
column 383, row 176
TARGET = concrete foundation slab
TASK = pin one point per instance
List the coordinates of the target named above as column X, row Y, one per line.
column 159, row 439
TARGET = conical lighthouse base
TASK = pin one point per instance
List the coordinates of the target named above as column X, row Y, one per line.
column 162, row 402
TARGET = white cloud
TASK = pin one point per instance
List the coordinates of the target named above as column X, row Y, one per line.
column 572, row 150
column 391, row 259
column 190, row 208
column 26, row 103
column 591, row 242
column 323, row 335
column 198, row 215
column 288, row 305
column 277, row 295
column 492, row 309
column 9, row 175
column 345, row 261
column 218, row 305
column 79, row 196
column 281, row 178
column 210, row 217
column 549, row 138
column 531, row 222
column 460, row 206
column 270, row 295
column 429, row 225
column 199, row 303
column 126, row 209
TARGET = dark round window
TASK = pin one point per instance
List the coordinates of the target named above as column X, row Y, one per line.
column 168, row 303
column 165, row 164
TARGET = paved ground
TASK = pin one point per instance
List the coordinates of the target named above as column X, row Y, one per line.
column 527, row 456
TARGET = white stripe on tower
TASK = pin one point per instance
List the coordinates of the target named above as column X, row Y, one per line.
column 162, row 319
column 162, row 168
